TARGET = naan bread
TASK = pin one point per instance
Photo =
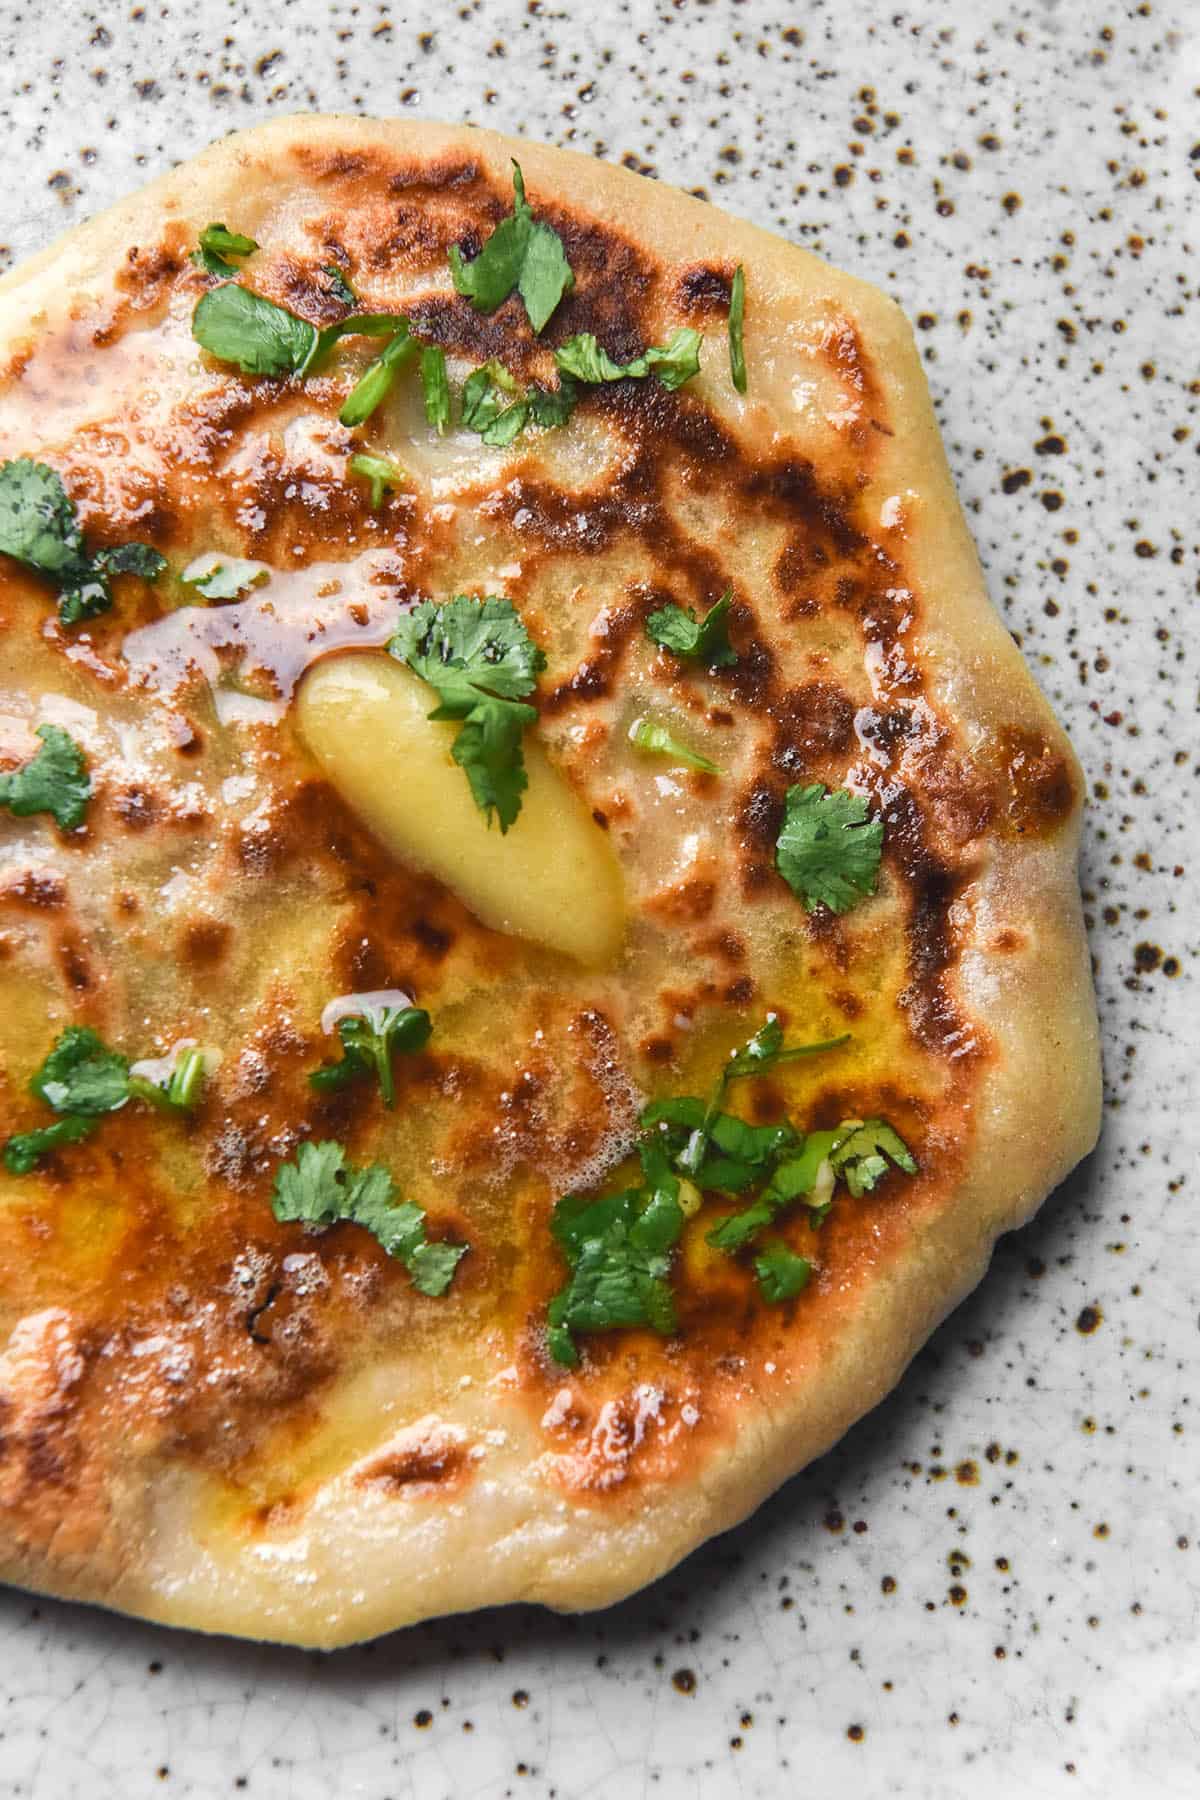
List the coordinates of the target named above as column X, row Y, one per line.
column 217, row 1420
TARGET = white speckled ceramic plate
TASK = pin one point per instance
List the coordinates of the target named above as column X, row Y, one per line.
column 993, row 1586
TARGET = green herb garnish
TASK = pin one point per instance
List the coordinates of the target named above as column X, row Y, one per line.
column 479, row 658
column 262, row 338
column 762, row 1053
column 369, row 1043
column 82, row 1075
column 862, row 1156
column 828, row 851
column 618, row 1251
column 181, row 1090
column 224, row 577
column 339, row 287
column 436, row 388
column 522, row 253
column 321, row 1188
column 737, row 350
column 493, row 405
column 781, row 1273
column 852, row 1153
column 55, row 781
column 84, row 1080
column 618, row 1247
column 380, row 472
column 217, row 244
column 705, row 640
column 674, row 362
column 23, row 1153
column 374, row 385
column 39, row 528
column 660, row 742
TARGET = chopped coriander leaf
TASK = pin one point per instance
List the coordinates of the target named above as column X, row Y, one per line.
column 55, row 781
column 131, row 559
column 828, row 851
column 522, row 253
column 39, row 528
column 674, row 362
column 436, row 388
column 861, row 1157
column 261, row 338
column 82, row 1075
column 781, row 1273
column 766, row 1049
column 375, row 383
column 703, row 640
column 380, row 472
column 737, row 351
column 552, row 407
column 660, row 742
column 499, row 420
column 224, row 577
column 480, row 660
column 83, row 1079
column 693, row 1129
column 182, row 1089
column 216, row 245
column 736, row 1231
column 38, row 525
column 486, row 410
column 339, row 287
column 618, row 1251
column 321, row 1188
column 23, row 1153
column 369, row 1044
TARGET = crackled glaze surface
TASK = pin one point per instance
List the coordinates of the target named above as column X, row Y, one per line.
column 991, row 1586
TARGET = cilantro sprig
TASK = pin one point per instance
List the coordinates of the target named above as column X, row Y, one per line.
column 83, row 1080
column 216, row 245
column 39, row 528
column 54, row 781
column 522, row 253
column 369, row 1042
column 618, row 1251
column 238, row 326
column 705, row 641
column 828, row 850
column 618, row 1247
column 495, row 407
column 674, row 362
column 481, row 661
column 321, row 1187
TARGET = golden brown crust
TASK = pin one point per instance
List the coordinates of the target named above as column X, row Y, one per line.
column 329, row 1478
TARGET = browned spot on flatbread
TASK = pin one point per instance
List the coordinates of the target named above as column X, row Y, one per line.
column 40, row 890
column 426, row 1458
column 703, row 291
column 1037, row 788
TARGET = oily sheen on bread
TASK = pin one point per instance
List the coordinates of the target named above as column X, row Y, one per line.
column 220, row 1418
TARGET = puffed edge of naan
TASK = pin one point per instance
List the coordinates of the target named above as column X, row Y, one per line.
column 359, row 1563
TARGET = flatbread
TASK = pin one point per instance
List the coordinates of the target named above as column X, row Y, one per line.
column 217, row 1420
